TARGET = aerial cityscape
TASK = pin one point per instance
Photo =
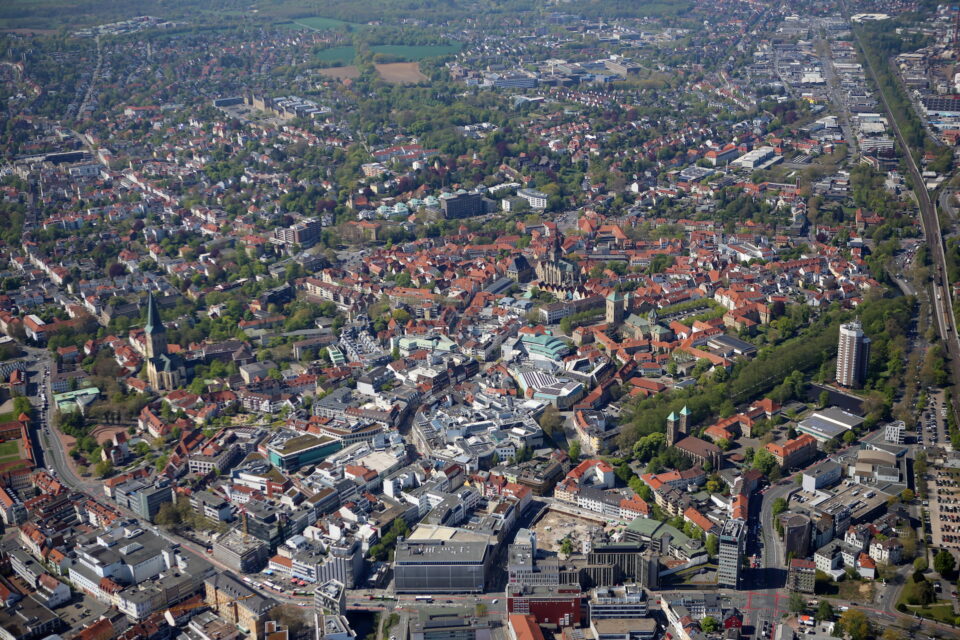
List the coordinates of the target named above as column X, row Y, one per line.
column 479, row 320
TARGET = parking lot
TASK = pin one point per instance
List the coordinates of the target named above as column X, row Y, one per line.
column 944, row 504
column 931, row 430
column 81, row 611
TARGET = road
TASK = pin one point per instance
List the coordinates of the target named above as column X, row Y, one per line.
column 773, row 556
column 836, row 93
column 93, row 81
column 945, row 203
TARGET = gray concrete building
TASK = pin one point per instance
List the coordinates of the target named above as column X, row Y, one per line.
column 441, row 566
column 732, row 541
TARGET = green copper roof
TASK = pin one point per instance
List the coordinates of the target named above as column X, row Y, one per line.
column 684, row 411
column 154, row 323
column 672, row 416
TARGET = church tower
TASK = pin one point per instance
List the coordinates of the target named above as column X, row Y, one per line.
column 155, row 332
column 672, row 429
column 615, row 308
column 677, row 427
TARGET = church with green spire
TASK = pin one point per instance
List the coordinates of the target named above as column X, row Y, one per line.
column 165, row 371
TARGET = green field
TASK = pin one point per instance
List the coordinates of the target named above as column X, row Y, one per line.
column 321, row 24
column 941, row 612
column 7, row 417
column 343, row 55
column 412, row 53
column 9, row 451
column 397, row 52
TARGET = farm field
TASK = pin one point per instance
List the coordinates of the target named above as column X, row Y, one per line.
column 393, row 72
column 401, row 72
column 406, row 53
column 415, row 53
column 343, row 55
column 321, row 24
column 340, row 73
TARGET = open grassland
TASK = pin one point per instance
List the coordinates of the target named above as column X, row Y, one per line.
column 415, row 53
column 401, row 72
column 394, row 72
column 340, row 73
column 391, row 52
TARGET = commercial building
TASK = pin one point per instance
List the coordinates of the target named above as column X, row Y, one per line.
column 445, row 624
column 238, row 604
column 549, row 604
column 536, row 199
column 525, row 569
column 211, row 506
column 333, row 627
column 303, row 233
column 802, row 576
column 523, row 627
column 627, row 601
column 134, row 570
column 825, row 474
column 624, row 629
column 732, row 541
column 516, row 81
column 462, row 205
column 894, row 431
column 242, row 553
column 290, row 451
column 331, row 597
column 853, row 354
column 27, row 619
column 143, row 499
column 754, row 159
column 830, row 423
column 441, row 566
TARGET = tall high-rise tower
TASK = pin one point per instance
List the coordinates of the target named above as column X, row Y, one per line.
column 853, row 354
column 730, row 555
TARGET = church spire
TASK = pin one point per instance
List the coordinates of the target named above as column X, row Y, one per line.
column 154, row 323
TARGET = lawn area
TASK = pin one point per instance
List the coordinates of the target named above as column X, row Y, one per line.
column 404, row 53
column 343, row 55
column 847, row 590
column 409, row 53
column 7, row 417
column 941, row 612
column 9, row 450
column 321, row 24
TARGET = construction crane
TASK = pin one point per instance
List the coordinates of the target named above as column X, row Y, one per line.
column 175, row 611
